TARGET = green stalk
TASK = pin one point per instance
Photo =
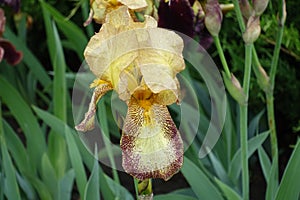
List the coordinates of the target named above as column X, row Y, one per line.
column 105, row 135
column 244, row 122
column 244, row 108
column 222, row 56
column 143, row 189
column 270, row 92
column 239, row 15
column 255, row 58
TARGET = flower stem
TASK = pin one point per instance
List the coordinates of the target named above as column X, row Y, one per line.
column 270, row 92
column 239, row 15
column 244, row 122
column 244, row 108
column 222, row 56
column 143, row 189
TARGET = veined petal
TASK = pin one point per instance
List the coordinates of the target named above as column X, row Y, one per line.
column 112, row 47
column 151, row 144
column 88, row 123
column 160, row 80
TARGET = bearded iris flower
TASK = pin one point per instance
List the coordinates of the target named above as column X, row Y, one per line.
column 140, row 62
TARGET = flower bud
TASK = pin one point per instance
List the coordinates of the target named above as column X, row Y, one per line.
column 246, row 8
column 262, row 78
column 213, row 17
column 252, row 30
column 260, row 6
column 234, row 88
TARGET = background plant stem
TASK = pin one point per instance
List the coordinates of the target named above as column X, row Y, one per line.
column 222, row 56
column 143, row 189
column 244, row 108
column 239, row 15
column 244, row 122
column 270, row 91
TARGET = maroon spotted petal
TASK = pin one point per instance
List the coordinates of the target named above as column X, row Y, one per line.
column 151, row 144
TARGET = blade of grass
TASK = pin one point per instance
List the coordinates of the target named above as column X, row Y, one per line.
column 185, row 191
column 16, row 148
column 120, row 191
column 85, row 8
column 218, row 168
column 76, row 161
column 230, row 137
column 228, row 192
column 272, row 182
column 57, row 146
column 253, row 144
column 173, row 197
column 105, row 136
column 59, row 65
column 254, row 124
column 71, row 31
column 92, row 191
column 49, row 176
column 1, row 179
column 29, row 59
column 60, row 127
column 41, row 188
column 11, row 187
column 201, row 185
column 28, row 123
column 66, row 185
column 289, row 186
column 26, row 187
column 265, row 162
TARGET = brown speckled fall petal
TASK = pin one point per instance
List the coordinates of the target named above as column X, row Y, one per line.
column 88, row 123
column 151, row 144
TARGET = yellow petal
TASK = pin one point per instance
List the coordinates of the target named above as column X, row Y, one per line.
column 101, row 8
column 128, row 82
column 123, row 46
column 112, row 47
column 88, row 123
column 160, row 78
column 151, row 144
column 134, row 5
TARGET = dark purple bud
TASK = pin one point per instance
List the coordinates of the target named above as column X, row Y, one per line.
column 9, row 52
column 213, row 17
column 177, row 15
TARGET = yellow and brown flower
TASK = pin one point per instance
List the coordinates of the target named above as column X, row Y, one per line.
column 140, row 62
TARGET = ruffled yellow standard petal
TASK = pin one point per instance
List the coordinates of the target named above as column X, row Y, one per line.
column 88, row 123
column 151, row 144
